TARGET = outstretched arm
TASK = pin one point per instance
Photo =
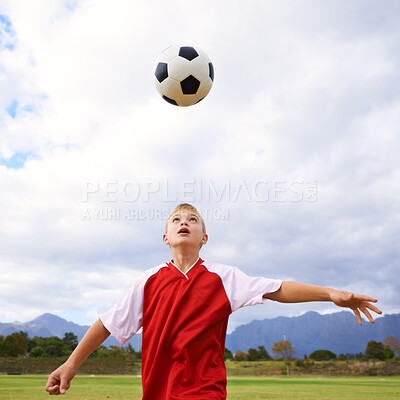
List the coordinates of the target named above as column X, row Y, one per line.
column 295, row 292
column 60, row 380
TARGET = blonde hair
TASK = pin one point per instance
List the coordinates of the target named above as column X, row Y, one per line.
column 186, row 207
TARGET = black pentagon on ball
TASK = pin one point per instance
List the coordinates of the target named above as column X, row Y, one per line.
column 190, row 85
column 211, row 71
column 170, row 101
column 161, row 71
column 188, row 52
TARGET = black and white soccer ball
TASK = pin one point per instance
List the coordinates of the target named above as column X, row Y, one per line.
column 184, row 75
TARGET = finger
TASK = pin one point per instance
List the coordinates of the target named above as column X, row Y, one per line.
column 373, row 308
column 53, row 389
column 51, row 385
column 365, row 298
column 65, row 384
column 372, row 300
column 52, row 381
column 358, row 316
column 367, row 314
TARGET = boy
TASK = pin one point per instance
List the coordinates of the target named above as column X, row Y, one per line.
column 184, row 307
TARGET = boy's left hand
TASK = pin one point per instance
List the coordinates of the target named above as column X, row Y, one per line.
column 356, row 302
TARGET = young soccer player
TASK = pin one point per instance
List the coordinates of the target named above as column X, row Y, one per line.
column 183, row 307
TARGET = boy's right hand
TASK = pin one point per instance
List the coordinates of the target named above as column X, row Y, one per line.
column 60, row 380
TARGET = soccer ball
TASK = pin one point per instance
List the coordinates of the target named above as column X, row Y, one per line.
column 184, row 75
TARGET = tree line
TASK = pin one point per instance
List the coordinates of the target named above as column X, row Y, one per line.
column 283, row 350
column 19, row 344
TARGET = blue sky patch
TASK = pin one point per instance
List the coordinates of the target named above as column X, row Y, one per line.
column 5, row 26
column 15, row 107
column 72, row 5
column 9, row 46
column 78, row 316
column 17, row 161
column 12, row 109
column 4, row 20
column 28, row 108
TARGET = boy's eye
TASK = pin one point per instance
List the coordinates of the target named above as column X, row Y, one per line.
column 175, row 219
column 193, row 219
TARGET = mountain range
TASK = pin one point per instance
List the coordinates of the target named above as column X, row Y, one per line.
column 338, row 332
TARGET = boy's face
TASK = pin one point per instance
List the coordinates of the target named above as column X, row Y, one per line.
column 185, row 229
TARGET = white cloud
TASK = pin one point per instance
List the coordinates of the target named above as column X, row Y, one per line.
column 298, row 97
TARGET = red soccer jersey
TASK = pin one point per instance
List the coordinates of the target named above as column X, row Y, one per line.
column 184, row 318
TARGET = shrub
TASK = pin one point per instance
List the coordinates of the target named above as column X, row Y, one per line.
column 322, row 355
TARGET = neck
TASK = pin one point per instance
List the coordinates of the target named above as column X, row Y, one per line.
column 184, row 261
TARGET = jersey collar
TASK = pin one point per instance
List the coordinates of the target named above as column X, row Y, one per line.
column 198, row 262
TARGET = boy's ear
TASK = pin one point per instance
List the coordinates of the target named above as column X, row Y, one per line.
column 204, row 240
column 165, row 239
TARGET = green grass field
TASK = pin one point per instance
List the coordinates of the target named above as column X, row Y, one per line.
column 31, row 387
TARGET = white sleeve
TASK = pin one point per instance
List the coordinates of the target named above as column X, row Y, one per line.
column 125, row 318
column 243, row 290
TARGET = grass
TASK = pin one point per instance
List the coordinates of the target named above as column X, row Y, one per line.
column 31, row 387
column 310, row 388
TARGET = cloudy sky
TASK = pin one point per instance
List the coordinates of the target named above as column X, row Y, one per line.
column 292, row 157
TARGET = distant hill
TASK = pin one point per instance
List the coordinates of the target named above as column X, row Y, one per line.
column 338, row 332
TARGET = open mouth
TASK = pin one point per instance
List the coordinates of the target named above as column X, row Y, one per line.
column 183, row 231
